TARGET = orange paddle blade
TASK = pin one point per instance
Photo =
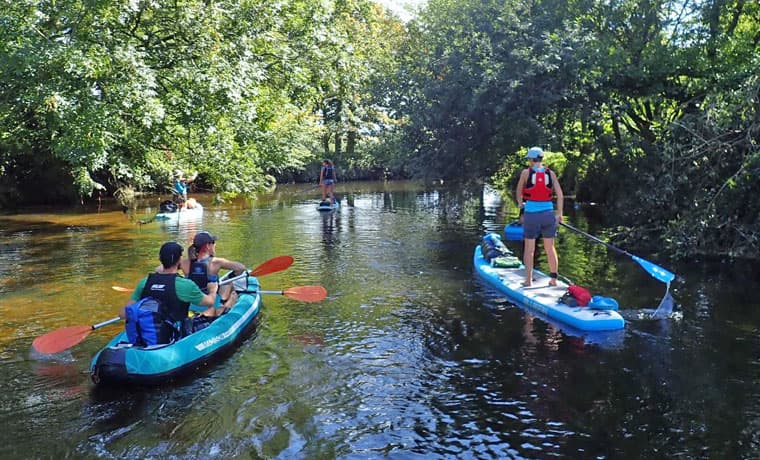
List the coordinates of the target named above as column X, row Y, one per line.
column 306, row 293
column 121, row 289
column 272, row 265
column 61, row 339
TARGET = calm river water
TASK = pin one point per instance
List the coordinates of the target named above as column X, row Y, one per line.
column 410, row 356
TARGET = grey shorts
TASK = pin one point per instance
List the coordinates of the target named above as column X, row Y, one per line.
column 543, row 224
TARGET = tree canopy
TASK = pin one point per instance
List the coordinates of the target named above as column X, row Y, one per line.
column 653, row 104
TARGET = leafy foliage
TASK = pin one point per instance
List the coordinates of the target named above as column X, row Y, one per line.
column 120, row 94
column 653, row 102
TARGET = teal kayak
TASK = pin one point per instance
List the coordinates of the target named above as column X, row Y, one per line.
column 120, row 362
column 543, row 299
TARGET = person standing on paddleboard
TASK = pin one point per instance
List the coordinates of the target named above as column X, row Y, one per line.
column 327, row 180
column 180, row 190
column 534, row 191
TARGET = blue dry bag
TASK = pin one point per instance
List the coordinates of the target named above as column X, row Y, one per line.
column 493, row 247
column 603, row 303
column 148, row 323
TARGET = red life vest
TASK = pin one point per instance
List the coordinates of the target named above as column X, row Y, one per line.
column 538, row 187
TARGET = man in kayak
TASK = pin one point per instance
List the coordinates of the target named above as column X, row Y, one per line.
column 202, row 267
column 173, row 291
column 327, row 180
column 534, row 191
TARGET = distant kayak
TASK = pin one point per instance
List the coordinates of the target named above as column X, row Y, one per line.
column 542, row 298
column 181, row 214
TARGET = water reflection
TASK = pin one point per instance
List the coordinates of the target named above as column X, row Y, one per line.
column 410, row 356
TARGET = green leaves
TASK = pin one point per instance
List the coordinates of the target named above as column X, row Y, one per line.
column 124, row 92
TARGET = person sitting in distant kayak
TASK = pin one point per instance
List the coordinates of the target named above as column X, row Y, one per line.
column 202, row 267
column 173, row 291
column 327, row 181
column 535, row 188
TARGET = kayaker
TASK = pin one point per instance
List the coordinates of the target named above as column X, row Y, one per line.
column 174, row 291
column 202, row 267
column 327, row 180
column 534, row 192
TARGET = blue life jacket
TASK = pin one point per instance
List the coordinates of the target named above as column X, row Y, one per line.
column 180, row 188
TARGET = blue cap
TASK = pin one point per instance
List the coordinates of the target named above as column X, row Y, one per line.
column 535, row 152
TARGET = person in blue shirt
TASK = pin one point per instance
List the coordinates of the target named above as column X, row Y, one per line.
column 535, row 188
column 180, row 188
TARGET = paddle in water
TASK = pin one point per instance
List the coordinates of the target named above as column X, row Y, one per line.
column 65, row 338
column 656, row 271
column 666, row 304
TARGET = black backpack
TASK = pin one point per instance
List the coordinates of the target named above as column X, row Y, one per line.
column 168, row 206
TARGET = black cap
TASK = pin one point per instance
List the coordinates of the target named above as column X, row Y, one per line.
column 170, row 254
column 202, row 238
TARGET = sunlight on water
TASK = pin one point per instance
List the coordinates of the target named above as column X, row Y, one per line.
column 410, row 356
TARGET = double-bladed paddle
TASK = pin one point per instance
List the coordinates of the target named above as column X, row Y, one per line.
column 655, row 270
column 65, row 338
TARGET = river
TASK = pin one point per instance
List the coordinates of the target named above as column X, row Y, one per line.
column 411, row 355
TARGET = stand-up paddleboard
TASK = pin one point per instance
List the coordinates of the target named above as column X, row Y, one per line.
column 544, row 299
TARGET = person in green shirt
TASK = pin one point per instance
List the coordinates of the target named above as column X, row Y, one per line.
column 174, row 291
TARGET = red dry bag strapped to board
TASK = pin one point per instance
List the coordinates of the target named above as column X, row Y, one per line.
column 576, row 296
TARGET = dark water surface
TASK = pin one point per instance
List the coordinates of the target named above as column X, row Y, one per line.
column 410, row 356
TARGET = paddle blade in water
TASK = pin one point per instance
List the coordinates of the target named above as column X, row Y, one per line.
column 61, row 339
column 655, row 270
column 665, row 309
column 121, row 289
column 272, row 265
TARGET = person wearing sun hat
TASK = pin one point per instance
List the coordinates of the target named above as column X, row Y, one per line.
column 172, row 290
column 202, row 267
column 179, row 192
column 534, row 192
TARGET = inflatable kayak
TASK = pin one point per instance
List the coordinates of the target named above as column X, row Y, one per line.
column 181, row 214
column 326, row 206
column 544, row 299
column 120, row 362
